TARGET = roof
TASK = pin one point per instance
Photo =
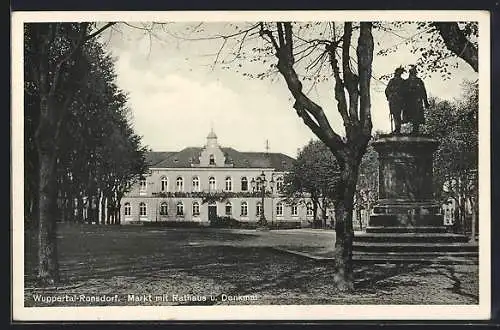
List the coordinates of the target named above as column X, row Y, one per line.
column 238, row 159
column 154, row 157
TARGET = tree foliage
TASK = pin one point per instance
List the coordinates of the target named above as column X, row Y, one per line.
column 437, row 44
column 80, row 143
column 314, row 176
column 455, row 125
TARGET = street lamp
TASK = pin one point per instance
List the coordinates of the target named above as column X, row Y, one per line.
column 259, row 184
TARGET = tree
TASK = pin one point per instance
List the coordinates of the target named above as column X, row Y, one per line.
column 313, row 176
column 311, row 46
column 455, row 126
column 322, row 50
column 53, row 55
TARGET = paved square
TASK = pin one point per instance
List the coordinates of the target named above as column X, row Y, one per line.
column 133, row 265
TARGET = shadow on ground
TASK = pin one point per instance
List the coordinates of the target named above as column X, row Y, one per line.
column 213, row 263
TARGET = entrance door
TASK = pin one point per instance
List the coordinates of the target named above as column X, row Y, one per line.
column 212, row 212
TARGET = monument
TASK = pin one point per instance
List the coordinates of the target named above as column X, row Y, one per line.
column 405, row 188
column 406, row 223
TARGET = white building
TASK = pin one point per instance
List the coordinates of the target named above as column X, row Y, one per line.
column 198, row 185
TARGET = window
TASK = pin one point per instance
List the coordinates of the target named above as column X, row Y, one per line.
column 196, row 183
column 180, row 208
column 211, row 184
column 143, row 209
column 279, row 209
column 164, row 184
column 244, row 184
column 196, row 208
column 142, row 185
column 179, row 184
column 279, row 184
column 258, row 208
column 244, row 209
column 212, row 160
column 163, row 208
column 309, row 209
column 229, row 208
column 229, row 184
column 128, row 209
column 295, row 210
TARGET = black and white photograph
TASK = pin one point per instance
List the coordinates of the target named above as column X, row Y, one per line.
column 251, row 165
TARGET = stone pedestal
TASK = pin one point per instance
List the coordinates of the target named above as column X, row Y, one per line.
column 406, row 225
column 405, row 189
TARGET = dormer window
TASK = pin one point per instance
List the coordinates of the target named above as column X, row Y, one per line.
column 211, row 160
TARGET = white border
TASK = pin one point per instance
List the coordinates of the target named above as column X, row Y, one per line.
column 275, row 312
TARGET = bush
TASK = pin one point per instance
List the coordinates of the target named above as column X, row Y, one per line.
column 225, row 222
column 174, row 224
column 285, row 225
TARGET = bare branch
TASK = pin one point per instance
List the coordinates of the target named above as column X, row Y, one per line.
column 269, row 34
column 302, row 102
column 350, row 79
column 365, row 59
column 305, row 52
column 306, row 117
column 218, row 53
column 317, row 61
column 339, row 89
column 218, row 36
column 316, row 74
column 280, row 33
column 241, row 42
column 92, row 35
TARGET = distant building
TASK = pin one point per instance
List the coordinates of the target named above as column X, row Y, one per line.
column 200, row 184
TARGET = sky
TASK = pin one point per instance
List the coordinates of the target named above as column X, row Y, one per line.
column 177, row 94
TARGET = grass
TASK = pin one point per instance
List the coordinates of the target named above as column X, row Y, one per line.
column 204, row 262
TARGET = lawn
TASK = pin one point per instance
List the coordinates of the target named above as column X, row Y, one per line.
column 133, row 265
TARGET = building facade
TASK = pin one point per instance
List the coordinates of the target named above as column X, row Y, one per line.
column 199, row 185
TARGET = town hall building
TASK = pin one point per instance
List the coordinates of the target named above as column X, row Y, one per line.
column 198, row 185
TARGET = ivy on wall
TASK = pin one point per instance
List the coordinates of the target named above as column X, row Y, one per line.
column 210, row 197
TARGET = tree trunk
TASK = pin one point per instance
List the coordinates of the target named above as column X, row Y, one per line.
column 462, row 214
column 48, row 268
column 474, row 220
column 79, row 216
column 324, row 213
column 118, row 214
column 109, row 210
column 358, row 215
column 90, row 209
column 315, row 212
column 344, row 233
